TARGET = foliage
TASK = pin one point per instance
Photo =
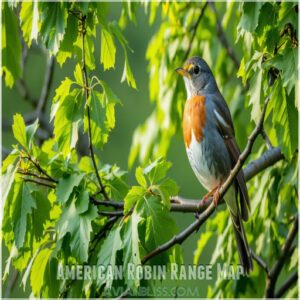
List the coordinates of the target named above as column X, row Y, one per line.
column 52, row 196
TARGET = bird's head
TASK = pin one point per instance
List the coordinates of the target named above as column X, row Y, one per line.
column 197, row 76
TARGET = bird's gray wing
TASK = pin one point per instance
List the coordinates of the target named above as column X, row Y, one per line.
column 226, row 129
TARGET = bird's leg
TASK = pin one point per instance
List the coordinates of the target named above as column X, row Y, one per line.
column 216, row 196
column 204, row 199
column 208, row 195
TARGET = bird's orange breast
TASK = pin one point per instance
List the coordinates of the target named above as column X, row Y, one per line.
column 194, row 119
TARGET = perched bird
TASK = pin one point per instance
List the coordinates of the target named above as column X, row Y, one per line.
column 211, row 147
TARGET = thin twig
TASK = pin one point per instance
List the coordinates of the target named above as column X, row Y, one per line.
column 124, row 294
column 195, row 30
column 278, row 265
column 260, row 262
column 11, row 284
column 111, row 213
column 33, row 175
column 107, row 203
column 266, row 138
column 40, row 169
column 108, row 225
column 222, row 37
column 40, row 183
column 291, row 280
column 46, row 86
column 24, row 92
column 86, row 89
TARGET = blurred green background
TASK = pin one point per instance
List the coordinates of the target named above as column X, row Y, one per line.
column 136, row 107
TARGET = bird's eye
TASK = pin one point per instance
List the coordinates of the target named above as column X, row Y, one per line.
column 196, row 70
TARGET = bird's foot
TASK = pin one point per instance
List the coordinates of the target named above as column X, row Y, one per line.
column 205, row 199
column 208, row 195
column 216, row 196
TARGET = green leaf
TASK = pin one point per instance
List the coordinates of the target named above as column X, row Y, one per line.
column 68, row 114
column 204, row 238
column 249, row 19
column 115, row 181
column 109, row 95
column 29, row 16
column 131, row 253
column 82, row 203
column 9, row 160
column 38, row 270
column 30, row 132
column 108, row 50
column 294, row 259
column 28, row 269
column 6, row 181
column 157, row 170
column 108, row 253
column 134, row 195
column 88, row 50
column 52, row 284
column 255, row 95
column 288, row 14
column 140, row 177
column 115, row 28
column 160, row 227
column 66, row 48
column 63, row 90
column 54, row 20
column 79, row 226
column 127, row 72
column 166, row 189
column 102, row 115
column 41, row 214
column 287, row 63
column 11, row 46
column 66, row 185
column 19, row 130
column 22, row 205
column 285, row 119
column 78, row 75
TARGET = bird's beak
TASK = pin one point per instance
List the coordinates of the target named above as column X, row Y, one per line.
column 182, row 72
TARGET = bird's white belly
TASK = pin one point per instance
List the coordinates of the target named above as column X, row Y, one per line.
column 200, row 166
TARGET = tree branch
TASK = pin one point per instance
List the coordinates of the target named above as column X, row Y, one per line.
column 260, row 262
column 266, row 138
column 33, row 175
column 40, row 104
column 182, row 236
column 278, row 265
column 195, row 30
column 39, row 183
column 267, row 159
column 108, row 225
column 39, row 168
column 86, row 89
column 181, row 204
column 111, row 213
column 292, row 279
column 222, row 37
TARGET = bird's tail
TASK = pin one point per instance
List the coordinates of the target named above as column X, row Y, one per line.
column 241, row 241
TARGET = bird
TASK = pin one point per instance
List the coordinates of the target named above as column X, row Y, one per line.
column 212, row 150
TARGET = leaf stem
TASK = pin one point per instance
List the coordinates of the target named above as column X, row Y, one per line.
column 86, row 90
